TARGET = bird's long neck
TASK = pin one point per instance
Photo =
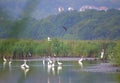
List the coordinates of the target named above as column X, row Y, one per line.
column 25, row 62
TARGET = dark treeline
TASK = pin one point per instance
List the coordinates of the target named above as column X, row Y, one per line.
column 87, row 25
column 62, row 48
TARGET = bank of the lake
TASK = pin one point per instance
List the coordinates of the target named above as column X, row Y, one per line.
column 20, row 49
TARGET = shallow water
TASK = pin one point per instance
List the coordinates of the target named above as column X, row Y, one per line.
column 69, row 72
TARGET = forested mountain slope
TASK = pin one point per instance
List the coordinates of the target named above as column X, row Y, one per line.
column 87, row 25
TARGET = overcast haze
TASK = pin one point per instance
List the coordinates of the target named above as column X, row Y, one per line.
column 43, row 8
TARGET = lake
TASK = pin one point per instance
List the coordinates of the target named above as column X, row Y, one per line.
column 68, row 72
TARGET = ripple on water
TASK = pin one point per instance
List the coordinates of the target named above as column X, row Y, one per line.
column 102, row 67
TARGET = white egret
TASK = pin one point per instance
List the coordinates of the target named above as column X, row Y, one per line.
column 51, row 66
column 59, row 63
column 59, row 68
column 4, row 59
column 49, row 39
column 24, row 65
column 80, row 61
column 10, row 61
column 4, row 62
column 49, row 61
column 81, row 64
column 102, row 54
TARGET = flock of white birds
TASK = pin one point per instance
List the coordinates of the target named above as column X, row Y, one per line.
column 50, row 62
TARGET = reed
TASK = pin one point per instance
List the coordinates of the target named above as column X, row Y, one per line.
column 63, row 48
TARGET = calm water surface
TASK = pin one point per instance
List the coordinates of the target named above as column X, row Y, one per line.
column 69, row 72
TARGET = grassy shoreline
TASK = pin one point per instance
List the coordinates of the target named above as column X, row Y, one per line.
column 18, row 48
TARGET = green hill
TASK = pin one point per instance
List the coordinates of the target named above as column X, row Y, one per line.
column 87, row 25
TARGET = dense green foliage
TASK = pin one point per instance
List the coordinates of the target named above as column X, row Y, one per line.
column 116, row 54
column 56, row 46
column 88, row 25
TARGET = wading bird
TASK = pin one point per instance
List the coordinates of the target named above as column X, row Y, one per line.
column 59, row 63
column 4, row 59
column 80, row 61
column 24, row 65
column 4, row 62
column 102, row 54
column 49, row 39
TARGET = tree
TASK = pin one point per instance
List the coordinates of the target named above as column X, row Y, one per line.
column 116, row 54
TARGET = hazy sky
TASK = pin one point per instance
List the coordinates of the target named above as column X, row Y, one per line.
column 41, row 8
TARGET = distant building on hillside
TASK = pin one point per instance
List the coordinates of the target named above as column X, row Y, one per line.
column 70, row 8
column 103, row 8
column 83, row 8
column 60, row 9
column 86, row 7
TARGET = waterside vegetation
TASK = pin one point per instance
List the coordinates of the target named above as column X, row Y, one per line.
column 19, row 49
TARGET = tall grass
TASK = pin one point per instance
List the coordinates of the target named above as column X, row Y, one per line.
column 116, row 54
column 66, row 48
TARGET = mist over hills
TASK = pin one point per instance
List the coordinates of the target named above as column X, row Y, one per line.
column 38, row 19
column 86, row 25
column 44, row 8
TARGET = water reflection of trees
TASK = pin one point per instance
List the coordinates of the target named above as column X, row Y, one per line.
column 118, row 77
column 64, row 75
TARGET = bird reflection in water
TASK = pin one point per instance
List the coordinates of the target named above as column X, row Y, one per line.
column 51, row 66
column 80, row 62
column 25, row 67
column 10, row 62
column 59, row 68
column 4, row 62
column 48, row 81
column 7, row 61
column 44, row 63
column 51, row 69
column 25, row 71
column 59, row 79
column 4, row 65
